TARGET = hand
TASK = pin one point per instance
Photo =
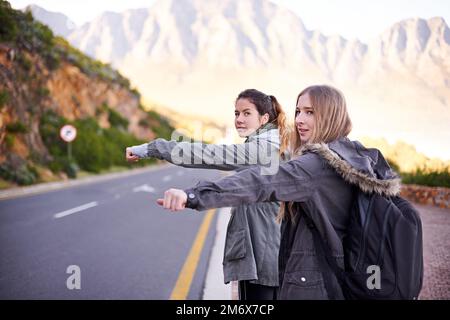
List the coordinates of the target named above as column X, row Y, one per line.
column 129, row 156
column 174, row 199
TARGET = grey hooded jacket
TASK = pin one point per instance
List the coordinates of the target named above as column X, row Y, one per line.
column 319, row 182
column 253, row 235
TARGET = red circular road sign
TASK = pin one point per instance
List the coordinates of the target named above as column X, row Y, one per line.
column 68, row 133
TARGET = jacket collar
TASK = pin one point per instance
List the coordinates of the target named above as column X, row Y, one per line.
column 387, row 186
column 264, row 128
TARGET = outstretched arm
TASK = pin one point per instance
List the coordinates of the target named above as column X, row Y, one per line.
column 208, row 156
column 293, row 182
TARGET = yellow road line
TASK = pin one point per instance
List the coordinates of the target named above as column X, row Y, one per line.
column 181, row 290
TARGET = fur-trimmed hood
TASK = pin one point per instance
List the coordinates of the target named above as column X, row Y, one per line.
column 358, row 165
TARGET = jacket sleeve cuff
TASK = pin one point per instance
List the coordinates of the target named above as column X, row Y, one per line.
column 140, row 150
column 192, row 199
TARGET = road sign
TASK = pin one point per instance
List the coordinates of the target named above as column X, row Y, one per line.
column 68, row 133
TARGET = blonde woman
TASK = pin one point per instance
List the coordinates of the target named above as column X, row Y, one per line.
column 309, row 186
column 253, row 235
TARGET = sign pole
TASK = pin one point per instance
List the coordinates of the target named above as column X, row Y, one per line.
column 69, row 151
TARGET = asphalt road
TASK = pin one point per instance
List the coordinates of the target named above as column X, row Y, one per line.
column 125, row 245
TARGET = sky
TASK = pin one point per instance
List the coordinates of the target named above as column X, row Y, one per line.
column 352, row 19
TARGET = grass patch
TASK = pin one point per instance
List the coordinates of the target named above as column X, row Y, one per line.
column 4, row 184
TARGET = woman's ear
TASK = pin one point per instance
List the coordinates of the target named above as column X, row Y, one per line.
column 264, row 119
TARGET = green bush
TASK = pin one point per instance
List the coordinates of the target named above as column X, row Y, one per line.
column 136, row 92
column 93, row 150
column 8, row 26
column 163, row 132
column 163, row 129
column 24, row 175
column 9, row 140
column 88, row 149
column 16, row 127
column 144, row 123
column 44, row 34
column 26, row 33
column 4, row 98
column 70, row 168
column 63, row 164
column 428, row 178
column 36, row 157
column 116, row 120
column 24, row 62
column 431, row 178
column 96, row 149
column 116, row 142
column 49, row 127
column 43, row 92
column 56, row 165
column 53, row 60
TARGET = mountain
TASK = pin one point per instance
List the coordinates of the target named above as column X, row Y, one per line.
column 59, row 23
column 44, row 84
column 196, row 56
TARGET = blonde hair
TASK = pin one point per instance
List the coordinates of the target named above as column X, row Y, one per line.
column 331, row 122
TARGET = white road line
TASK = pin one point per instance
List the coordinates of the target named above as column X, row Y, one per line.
column 167, row 178
column 77, row 209
column 214, row 288
column 144, row 188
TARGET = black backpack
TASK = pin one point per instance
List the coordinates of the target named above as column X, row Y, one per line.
column 383, row 252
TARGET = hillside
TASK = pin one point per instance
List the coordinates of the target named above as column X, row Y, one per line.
column 46, row 83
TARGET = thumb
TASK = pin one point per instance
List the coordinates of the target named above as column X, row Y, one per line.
column 160, row 202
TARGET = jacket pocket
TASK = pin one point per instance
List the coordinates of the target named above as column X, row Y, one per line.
column 305, row 278
column 235, row 245
column 303, row 285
